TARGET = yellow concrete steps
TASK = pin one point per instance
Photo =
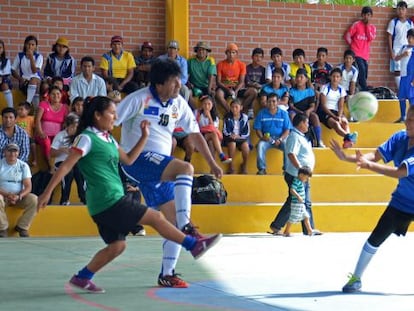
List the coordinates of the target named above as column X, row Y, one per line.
column 59, row 221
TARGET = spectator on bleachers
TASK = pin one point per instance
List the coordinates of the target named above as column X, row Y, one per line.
column 299, row 59
column 10, row 132
column 349, row 76
column 397, row 37
column 118, row 64
column 59, row 82
column 254, row 80
column 277, row 87
column 59, row 150
column 359, row 37
column 5, row 73
column 77, row 106
column 172, row 53
column 60, row 63
column 302, row 99
column 236, row 132
column 182, row 140
column 27, row 122
column 87, row 83
column 144, row 62
column 331, row 109
column 202, row 72
column 15, row 187
column 49, row 121
column 231, row 73
column 276, row 55
column 113, row 90
column 272, row 126
column 320, row 69
column 26, row 69
column 208, row 121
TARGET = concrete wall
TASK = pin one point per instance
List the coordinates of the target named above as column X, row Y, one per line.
column 90, row 24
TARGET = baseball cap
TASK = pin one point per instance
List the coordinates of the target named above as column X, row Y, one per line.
column 232, row 47
column 202, row 45
column 147, row 45
column 116, row 39
column 173, row 44
column 12, row 146
column 62, row 41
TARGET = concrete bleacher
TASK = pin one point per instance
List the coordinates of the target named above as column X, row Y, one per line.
column 344, row 199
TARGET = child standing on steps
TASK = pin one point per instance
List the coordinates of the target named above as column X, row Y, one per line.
column 298, row 211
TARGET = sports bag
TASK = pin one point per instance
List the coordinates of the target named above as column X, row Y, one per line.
column 207, row 189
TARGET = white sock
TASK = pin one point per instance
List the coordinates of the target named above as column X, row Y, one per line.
column 170, row 254
column 368, row 251
column 31, row 91
column 9, row 98
column 182, row 199
column 397, row 80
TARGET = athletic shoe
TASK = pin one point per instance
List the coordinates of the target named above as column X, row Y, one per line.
column 204, row 244
column 400, row 120
column 320, row 144
column 262, row 171
column 171, row 281
column 353, row 285
column 86, row 285
column 350, row 139
column 225, row 159
column 190, row 229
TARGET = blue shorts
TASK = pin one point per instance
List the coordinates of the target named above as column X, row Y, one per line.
column 406, row 90
column 146, row 171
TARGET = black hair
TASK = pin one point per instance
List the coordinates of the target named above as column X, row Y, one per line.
column 54, row 79
column 275, row 51
column 112, row 81
column 54, row 87
column 273, row 95
column 87, row 59
column 338, row 70
column 349, row 53
column 402, row 4
column 25, row 105
column 257, row 51
column 92, row 104
column 305, row 170
column 27, row 39
column 298, row 52
column 8, row 110
column 410, row 33
column 279, row 71
column 298, row 118
column 213, row 111
column 54, row 49
column 322, row 50
column 367, row 10
column 3, row 59
column 162, row 70
column 71, row 118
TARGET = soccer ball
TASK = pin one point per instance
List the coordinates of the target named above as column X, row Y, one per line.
column 363, row 106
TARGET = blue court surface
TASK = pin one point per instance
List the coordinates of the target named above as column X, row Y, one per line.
column 242, row 273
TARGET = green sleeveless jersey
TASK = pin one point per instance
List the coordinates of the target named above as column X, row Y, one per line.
column 100, row 170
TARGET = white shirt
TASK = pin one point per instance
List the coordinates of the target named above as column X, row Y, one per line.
column 6, row 71
column 81, row 87
column 400, row 30
column 24, row 68
column 141, row 105
column 11, row 176
column 333, row 96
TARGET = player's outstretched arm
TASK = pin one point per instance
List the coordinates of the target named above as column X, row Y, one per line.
column 390, row 171
column 339, row 152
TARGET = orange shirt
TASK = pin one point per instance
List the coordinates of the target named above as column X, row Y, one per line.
column 229, row 73
column 26, row 123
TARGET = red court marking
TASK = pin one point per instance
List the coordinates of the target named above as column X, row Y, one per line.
column 79, row 298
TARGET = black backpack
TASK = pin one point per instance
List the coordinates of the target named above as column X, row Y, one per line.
column 207, row 189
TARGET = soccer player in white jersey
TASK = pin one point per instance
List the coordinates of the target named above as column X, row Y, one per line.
column 164, row 181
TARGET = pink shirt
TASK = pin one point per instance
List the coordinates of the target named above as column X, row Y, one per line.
column 52, row 121
column 359, row 37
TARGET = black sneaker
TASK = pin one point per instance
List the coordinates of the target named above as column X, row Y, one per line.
column 171, row 281
column 23, row 233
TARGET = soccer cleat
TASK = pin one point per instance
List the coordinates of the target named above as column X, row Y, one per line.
column 204, row 244
column 171, row 281
column 225, row 159
column 320, row 144
column 350, row 139
column 190, row 229
column 353, row 285
column 86, row 285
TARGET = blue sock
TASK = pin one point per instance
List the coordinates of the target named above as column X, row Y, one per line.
column 403, row 109
column 189, row 242
column 85, row 274
column 222, row 155
column 318, row 133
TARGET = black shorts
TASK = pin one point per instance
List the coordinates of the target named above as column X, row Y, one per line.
column 228, row 139
column 391, row 221
column 116, row 222
column 324, row 117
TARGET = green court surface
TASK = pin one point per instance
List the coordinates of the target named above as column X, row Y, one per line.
column 242, row 273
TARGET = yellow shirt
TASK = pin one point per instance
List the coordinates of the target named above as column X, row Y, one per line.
column 294, row 68
column 118, row 67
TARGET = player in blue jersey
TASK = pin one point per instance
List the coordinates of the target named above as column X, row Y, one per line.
column 165, row 182
column 399, row 148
